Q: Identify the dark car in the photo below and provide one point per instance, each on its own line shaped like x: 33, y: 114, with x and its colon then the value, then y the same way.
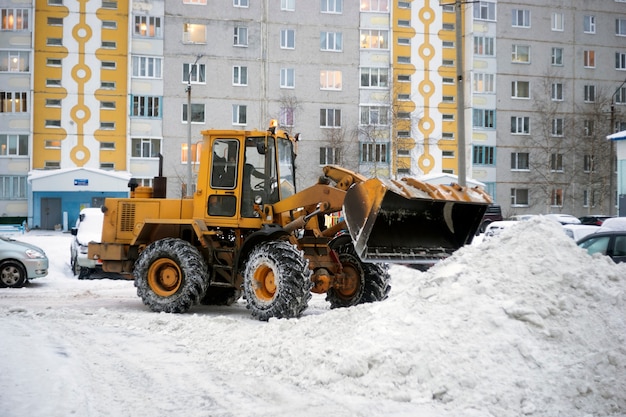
x: 610, y: 243
x: 594, y: 219
x: 493, y: 214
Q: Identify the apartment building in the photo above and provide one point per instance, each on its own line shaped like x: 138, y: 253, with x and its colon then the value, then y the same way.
x: 94, y: 92
x: 545, y: 77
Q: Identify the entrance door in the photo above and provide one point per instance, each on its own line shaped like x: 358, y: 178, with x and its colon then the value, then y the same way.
x: 50, y: 213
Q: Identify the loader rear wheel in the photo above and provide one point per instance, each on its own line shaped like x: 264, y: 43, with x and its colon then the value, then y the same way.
x: 276, y: 281
x: 364, y: 283
x: 170, y: 276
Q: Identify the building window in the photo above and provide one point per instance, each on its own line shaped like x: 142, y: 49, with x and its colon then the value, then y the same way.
x: 240, y: 36
x: 194, y: 73
x: 373, y: 152
x: 449, y: 80
x: 444, y: 44
x: 53, y: 102
x: 109, y: 5
x: 109, y: 44
x: 404, y: 23
x: 194, y: 2
x: 520, y: 54
x: 53, y: 123
x: 588, y: 128
x: 287, y: 115
x: 520, y: 161
x: 330, y: 118
x: 590, y: 93
x: 197, y: 113
x: 589, y: 163
x: 483, y: 118
x: 107, y: 85
x: 240, y: 3
x: 589, y: 59
x: 484, y: 155
x: 556, y: 162
x: 287, y: 38
x: 374, y: 39
x: 485, y: 10
x: 620, y: 60
x: 288, y: 5
x: 53, y: 82
x: 374, y: 116
x: 556, y: 197
x: 557, y: 56
x: 484, y: 46
x: 109, y: 24
x: 374, y: 5
x: 483, y: 83
x: 404, y: 60
x: 287, y: 78
x: 107, y: 105
x: 240, y: 114
x: 145, y: 147
x: 557, y: 127
x: 53, y: 21
x: 620, y: 96
x: 375, y: 77
x: 194, y: 33
x: 447, y: 135
x: 13, y: 187
x: 520, y: 125
x: 519, y: 197
x: 589, y: 24
x: 13, y: 145
x: 14, y: 61
x: 620, y: 27
x: 589, y: 198
x: 54, y: 41
x: 447, y: 62
x: 330, y: 80
x: 330, y: 156
x: 521, y: 18
x: 14, y: 19
x: 107, y: 125
x: 13, y: 102
x: 53, y: 62
x: 196, y: 152
x: 240, y: 75
x: 558, y: 22
x: 105, y: 146
x: 447, y: 26
x: 148, y: 26
x: 405, y: 78
x: 107, y: 166
x: 331, y: 41
x: 520, y: 89
x: 53, y: 144
x: 146, y: 106
x: 557, y: 92
x: 331, y: 6
x: 147, y: 67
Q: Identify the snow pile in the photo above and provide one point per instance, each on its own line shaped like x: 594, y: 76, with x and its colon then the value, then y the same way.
x: 524, y: 323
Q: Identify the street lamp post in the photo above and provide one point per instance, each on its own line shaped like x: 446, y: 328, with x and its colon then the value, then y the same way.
x: 460, y: 93
x: 188, y: 90
x: 612, y: 191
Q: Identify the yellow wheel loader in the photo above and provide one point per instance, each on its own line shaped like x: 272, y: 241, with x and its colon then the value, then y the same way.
x: 247, y: 229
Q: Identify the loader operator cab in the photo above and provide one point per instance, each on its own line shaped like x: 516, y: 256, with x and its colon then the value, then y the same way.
x: 265, y: 165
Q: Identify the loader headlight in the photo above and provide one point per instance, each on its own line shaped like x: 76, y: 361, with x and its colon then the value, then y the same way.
x: 258, y: 200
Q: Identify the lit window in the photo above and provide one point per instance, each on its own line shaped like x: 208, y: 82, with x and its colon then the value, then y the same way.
x: 194, y: 33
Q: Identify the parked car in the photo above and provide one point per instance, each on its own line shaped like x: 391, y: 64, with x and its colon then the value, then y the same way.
x: 492, y: 214
x: 610, y: 243
x: 88, y: 229
x: 20, y: 262
x: 495, y: 228
x: 614, y: 223
x: 563, y: 218
x: 521, y: 217
x: 578, y: 231
x: 593, y: 219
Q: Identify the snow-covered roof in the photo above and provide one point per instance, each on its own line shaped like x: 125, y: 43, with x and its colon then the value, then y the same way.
x: 446, y: 179
x: 617, y: 136
x: 78, y: 179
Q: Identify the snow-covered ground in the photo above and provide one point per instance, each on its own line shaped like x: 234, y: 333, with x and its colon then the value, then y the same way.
x: 523, y: 324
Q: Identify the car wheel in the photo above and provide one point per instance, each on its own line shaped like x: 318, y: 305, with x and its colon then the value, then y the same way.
x: 12, y: 274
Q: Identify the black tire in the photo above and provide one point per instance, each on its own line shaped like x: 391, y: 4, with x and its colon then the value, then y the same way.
x: 370, y: 281
x: 276, y: 281
x: 170, y: 276
x: 220, y: 296
x: 12, y: 275
x: 74, y: 266
x: 83, y: 273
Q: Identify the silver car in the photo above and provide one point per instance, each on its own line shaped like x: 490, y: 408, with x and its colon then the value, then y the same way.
x: 20, y: 262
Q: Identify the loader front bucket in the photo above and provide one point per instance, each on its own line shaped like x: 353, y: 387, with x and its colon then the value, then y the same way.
x: 410, y: 221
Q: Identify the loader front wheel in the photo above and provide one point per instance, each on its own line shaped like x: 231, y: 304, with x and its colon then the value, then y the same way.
x: 276, y: 281
x: 363, y: 283
x: 170, y: 276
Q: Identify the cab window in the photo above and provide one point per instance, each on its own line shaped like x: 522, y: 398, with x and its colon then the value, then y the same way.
x: 224, y: 166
